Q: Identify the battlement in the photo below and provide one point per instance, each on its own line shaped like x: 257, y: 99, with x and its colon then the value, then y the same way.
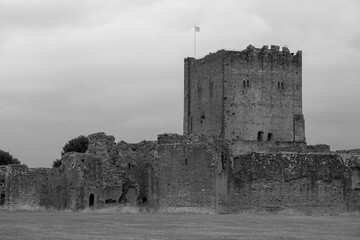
x: 273, y: 49
x: 264, y: 55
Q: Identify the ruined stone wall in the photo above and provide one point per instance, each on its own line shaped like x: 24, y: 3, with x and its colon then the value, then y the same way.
x: 243, y: 147
x: 350, y: 151
x: 307, y: 183
x: 191, y: 173
x: 127, y: 170
x: 19, y: 189
x: 104, y: 146
x: 83, y: 174
x: 51, y: 189
x: 33, y: 187
x: 2, y: 185
x: 67, y: 187
x: 108, y: 173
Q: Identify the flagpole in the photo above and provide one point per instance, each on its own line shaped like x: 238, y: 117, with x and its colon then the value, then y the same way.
x: 196, y: 29
x: 194, y: 41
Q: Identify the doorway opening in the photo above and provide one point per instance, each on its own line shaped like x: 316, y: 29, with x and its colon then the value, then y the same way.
x: 2, y: 199
x: 91, y: 200
x: 260, y: 136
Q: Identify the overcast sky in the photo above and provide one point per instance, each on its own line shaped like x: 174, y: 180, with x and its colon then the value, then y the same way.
x: 70, y: 68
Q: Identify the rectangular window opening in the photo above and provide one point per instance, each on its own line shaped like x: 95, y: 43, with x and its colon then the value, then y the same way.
x: 260, y: 136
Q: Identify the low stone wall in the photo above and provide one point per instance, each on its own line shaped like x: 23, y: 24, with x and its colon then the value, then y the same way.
x: 32, y: 187
x: 189, y: 171
x: 306, y: 183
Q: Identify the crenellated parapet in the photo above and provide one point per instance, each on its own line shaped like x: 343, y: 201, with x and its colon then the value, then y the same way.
x: 266, y: 54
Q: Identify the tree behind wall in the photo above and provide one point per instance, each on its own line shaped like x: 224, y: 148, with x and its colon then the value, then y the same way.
x: 6, y: 158
x: 79, y: 144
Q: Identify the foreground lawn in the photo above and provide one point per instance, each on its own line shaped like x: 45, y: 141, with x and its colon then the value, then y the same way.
x: 98, y: 225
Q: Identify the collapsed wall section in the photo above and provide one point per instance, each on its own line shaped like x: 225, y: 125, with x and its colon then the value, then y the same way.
x: 128, y: 176
x: 82, y: 173
x: 307, y: 183
x: 108, y: 173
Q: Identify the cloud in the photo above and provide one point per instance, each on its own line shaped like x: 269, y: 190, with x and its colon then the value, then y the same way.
x: 50, y: 14
x: 117, y: 66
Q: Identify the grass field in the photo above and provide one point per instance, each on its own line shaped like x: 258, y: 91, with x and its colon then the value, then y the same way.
x: 116, y: 225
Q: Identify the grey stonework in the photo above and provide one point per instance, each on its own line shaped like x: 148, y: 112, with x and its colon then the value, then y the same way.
x: 248, y: 96
x: 243, y: 149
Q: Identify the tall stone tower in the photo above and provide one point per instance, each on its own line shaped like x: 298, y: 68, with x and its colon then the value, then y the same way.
x: 251, y: 97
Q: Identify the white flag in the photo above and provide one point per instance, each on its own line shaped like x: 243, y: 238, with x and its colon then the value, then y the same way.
x: 197, y: 29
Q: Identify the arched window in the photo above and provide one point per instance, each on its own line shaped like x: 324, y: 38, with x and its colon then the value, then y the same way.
x: 270, y: 137
x: 260, y: 136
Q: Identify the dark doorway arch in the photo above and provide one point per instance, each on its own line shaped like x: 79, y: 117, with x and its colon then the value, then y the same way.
x: 91, y: 200
x: 260, y: 136
x: 2, y: 199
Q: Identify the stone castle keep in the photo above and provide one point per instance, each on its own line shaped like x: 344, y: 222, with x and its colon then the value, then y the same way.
x: 246, y: 97
x: 243, y: 149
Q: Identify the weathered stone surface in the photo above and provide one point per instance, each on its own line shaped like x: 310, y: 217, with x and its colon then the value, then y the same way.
x: 193, y: 170
x: 252, y: 153
x: 351, y: 151
x: 32, y: 187
x: 249, y: 95
x: 309, y: 183
x: 107, y: 173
